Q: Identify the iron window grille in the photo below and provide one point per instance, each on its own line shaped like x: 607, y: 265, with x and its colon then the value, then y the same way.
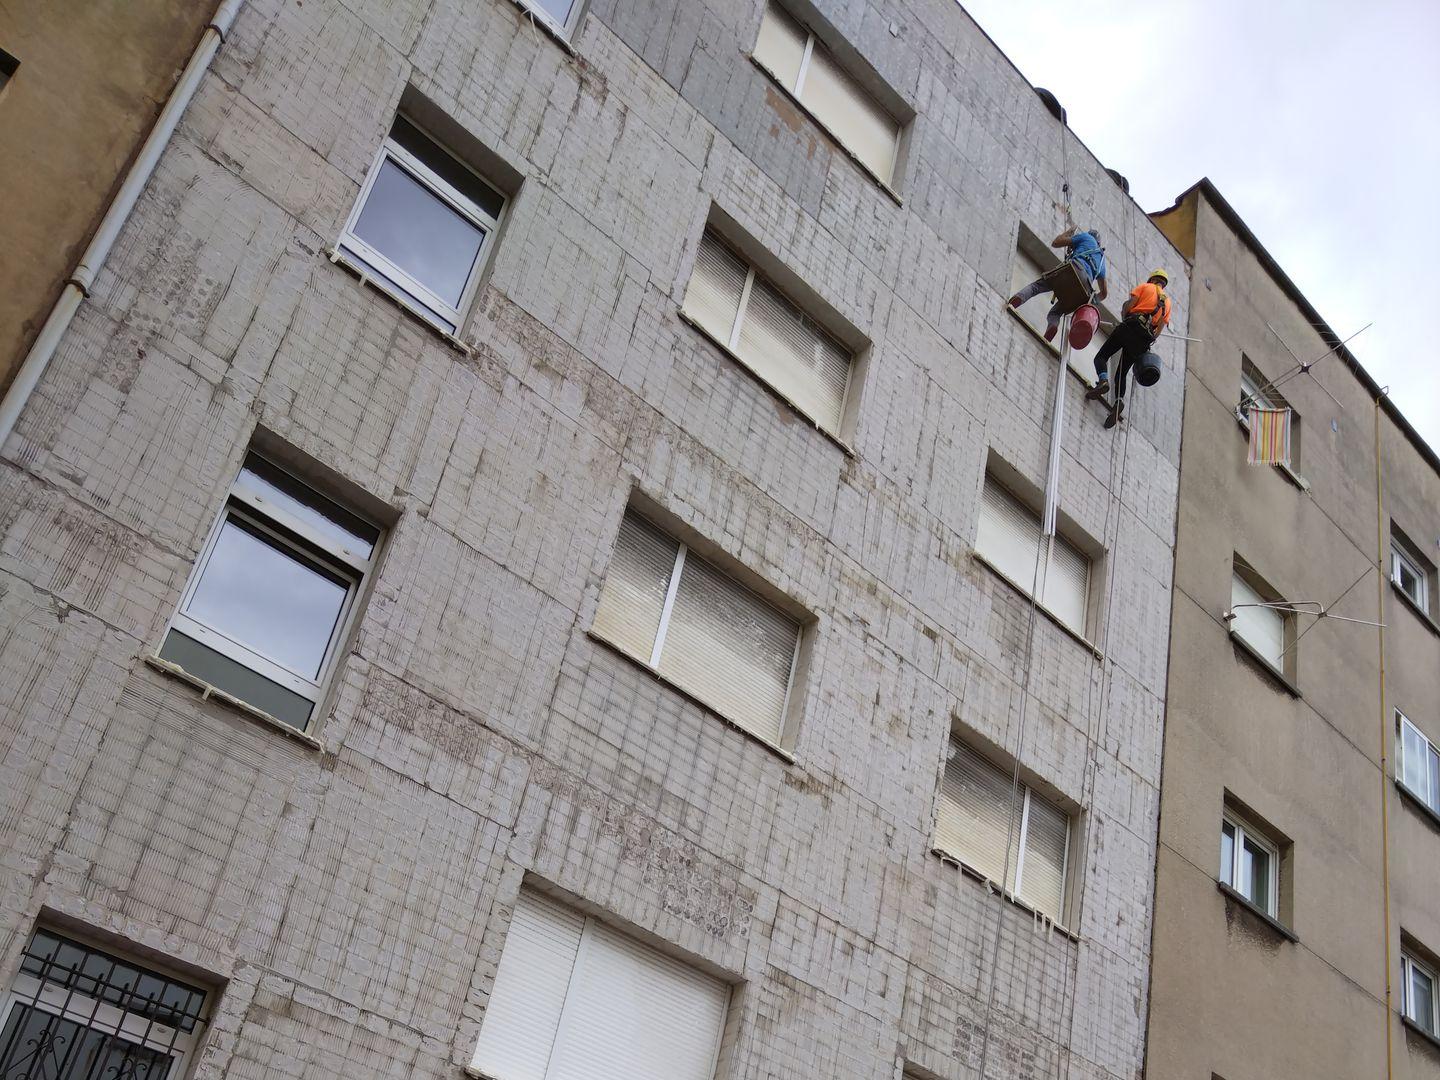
x: 75, y: 1012
x: 423, y: 226
x: 272, y: 643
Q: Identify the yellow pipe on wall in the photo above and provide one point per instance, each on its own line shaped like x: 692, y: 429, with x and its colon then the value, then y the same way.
x: 1384, y: 738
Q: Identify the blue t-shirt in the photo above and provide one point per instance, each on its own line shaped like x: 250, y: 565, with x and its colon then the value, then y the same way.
x: 1086, y: 250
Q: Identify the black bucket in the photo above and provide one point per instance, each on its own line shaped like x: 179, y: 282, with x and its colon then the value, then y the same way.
x: 1147, y: 370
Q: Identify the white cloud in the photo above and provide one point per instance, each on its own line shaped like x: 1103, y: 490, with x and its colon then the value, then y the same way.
x: 1317, y: 119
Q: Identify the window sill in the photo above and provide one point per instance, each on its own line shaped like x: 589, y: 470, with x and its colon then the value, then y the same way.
x: 1285, y: 470
x: 873, y: 176
x: 779, y: 751
x: 1070, y: 630
x: 1266, y: 668
x: 950, y: 859
x: 556, y: 34
x: 1423, y: 615
x: 845, y: 447
x: 210, y: 692
x: 337, y: 258
x: 1413, y: 1028
x: 1050, y: 346
x: 1265, y: 917
x: 1418, y: 803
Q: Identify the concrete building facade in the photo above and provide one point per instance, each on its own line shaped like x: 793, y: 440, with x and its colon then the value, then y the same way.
x: 1297, y: 749
x: 81, y: 85
x: 335, y: 894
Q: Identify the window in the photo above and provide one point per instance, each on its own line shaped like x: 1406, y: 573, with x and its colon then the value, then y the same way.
x: 574, y: 998
x: 1009, y: 540
x: 1409, y: 570
x: 805, y: 68
x: 75, y: 1013
x: 1255, y: 390
x: 712, y: 637
x: 1250, y: 864
x: 562, y: 16
x: 1264, y: 628
x: 8, y: 66
x: 423, y: 225
x: 273, y: 593
x: 768, y: 334
x: 1417, y: 994
x: 1419, y: 763
x: 978, y: 819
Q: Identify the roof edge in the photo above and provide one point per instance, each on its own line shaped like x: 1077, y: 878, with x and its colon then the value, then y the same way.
x: 1206, y: 187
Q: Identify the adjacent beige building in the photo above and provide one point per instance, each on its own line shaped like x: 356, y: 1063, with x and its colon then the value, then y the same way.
x: 80, y: 85
x: 1292, y: 740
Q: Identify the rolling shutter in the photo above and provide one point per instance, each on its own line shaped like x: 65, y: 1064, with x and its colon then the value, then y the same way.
x: 856, y: 119
x: 1009, y: 536
x: 634, y: 593
x: 1262, y: 628
x: 575, y: 1000
x: 790, y: 352
x: 1042, y: 878
x: 781, y: 46
x: 975, y: 818
x: 712, y: 298
x: 523, y: 1015
x: 730, y: 649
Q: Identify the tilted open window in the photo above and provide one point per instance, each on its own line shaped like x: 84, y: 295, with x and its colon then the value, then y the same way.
x: 1419, y: 758
x: 423, y: 226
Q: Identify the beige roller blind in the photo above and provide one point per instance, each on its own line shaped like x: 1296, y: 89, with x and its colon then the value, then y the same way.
x: 1042, y: 880
x: 790, y: 352
x: 1067, y: 585
x: 1008, y: 534
x: 975, y: 819
x: 781, y: 46
x: 855, y: 118
x: 1262, y: 628
x: 713, y: 296
x: 633, y: 596
x: 730, y: 649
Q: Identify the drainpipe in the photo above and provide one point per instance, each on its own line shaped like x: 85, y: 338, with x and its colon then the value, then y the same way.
x: 77, y: 288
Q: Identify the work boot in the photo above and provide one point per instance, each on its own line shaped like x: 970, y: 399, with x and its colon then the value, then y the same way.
x: 1117, y: 413
x: 1014, y: 301
x: 1098, y: 391
x: 1050, y: 332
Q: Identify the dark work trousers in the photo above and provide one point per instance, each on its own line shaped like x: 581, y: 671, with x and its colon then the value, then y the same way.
x: 1132, y: 340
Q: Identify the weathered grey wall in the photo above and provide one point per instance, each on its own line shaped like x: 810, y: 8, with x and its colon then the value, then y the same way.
x: 1309, y: 765
x: 356, y: 898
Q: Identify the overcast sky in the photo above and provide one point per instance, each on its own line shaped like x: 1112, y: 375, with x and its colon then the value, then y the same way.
x: 1319, y: 120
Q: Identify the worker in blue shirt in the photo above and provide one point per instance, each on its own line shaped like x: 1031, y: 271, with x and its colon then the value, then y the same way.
x: 1082, y: 247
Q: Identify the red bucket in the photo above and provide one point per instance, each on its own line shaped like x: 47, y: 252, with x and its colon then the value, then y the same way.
x: 1083, y: 325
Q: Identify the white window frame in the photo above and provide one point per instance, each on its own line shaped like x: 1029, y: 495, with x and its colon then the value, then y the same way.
x: 1428, y: 797
x: 1400, y: 557
x: 564, y: 31
x: 386, y: 274
x: 1408, y: 964
x: 250, y: 506
x: 1245, y: 833
x: 1251, y: 394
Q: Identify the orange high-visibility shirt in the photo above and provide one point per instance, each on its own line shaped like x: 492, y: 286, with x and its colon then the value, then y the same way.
x: 1145, y: 297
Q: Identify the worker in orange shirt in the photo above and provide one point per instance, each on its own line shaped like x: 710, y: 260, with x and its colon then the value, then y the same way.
x: 1143, y: 316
